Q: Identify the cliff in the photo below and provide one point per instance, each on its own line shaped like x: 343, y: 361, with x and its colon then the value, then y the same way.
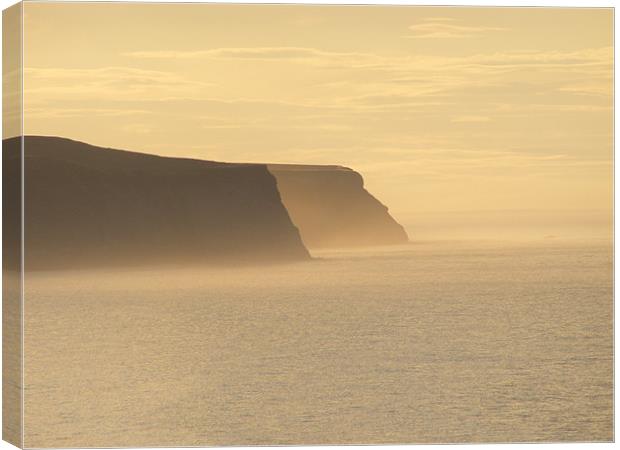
x: 331, y: 208
x: 89, y: 206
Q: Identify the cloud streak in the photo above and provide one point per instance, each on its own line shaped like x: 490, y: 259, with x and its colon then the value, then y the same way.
x: 103, y: 82
x: 300, y: 55
x: 444, y: 28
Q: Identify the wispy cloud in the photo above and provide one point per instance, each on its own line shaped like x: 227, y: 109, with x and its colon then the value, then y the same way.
x: 440, y: 27
x: 460, y: 89
x: 303, y: 55
x: 58, y: 113
x: 403, y: 65
x: 588, y: 56
x: 589, y: 88
x: 124, y: 82
x: 470, y: 119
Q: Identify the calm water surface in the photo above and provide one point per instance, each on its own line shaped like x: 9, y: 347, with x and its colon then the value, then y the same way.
x: 430, y: 342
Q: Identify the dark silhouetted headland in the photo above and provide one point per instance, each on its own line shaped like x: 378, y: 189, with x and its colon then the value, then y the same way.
x: 331, y: 208
x: 89, y: 206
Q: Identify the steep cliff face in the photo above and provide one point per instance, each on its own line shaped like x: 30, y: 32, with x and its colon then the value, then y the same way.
x: 88, y: 206
x: 331, y: 208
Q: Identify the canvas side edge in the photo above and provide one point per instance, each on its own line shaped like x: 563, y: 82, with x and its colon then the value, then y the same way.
x: 12, y: 226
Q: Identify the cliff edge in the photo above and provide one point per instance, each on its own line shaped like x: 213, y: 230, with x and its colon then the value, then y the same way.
x: 89, y: 206
x: 331, y: 207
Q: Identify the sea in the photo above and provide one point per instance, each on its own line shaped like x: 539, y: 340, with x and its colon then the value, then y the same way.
x: 442, y: 340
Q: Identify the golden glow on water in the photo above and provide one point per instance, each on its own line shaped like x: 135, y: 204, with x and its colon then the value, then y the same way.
x: 452, y: 342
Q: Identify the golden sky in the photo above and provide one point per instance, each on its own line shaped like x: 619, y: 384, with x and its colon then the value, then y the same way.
x: 440, y: 108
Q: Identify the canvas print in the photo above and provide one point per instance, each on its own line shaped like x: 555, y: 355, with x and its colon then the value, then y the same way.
x: 306, y: 224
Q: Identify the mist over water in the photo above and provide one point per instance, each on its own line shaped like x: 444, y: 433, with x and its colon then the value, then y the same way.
x: 445, y: 339
x: 510, y: 225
